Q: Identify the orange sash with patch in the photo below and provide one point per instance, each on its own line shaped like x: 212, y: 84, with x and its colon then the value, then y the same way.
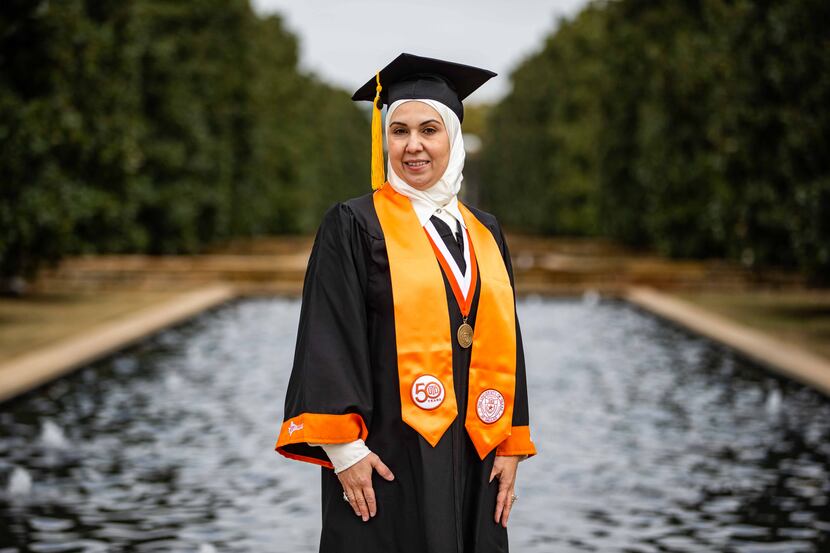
x: 424, y: 338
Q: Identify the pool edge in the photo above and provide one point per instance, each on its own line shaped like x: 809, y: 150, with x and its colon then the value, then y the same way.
x: 27, y: 372
x: 778, y: 356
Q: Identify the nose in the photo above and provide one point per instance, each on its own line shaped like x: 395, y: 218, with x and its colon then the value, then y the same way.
x: 413, y: 143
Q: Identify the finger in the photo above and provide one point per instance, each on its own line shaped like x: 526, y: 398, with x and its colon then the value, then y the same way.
x: 369, y: 494
x: 508, y: 505
x: 361, y: 504
x: 500, y: 504
x: 383, y: 470
x: 353, y: 501
x: 502, y: 501
x: 493, y: 473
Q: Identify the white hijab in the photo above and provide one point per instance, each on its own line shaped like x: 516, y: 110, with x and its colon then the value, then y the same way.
x: 447, y: 187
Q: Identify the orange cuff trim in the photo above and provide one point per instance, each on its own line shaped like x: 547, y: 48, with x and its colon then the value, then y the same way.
x: 319, y: 429
x: 313, y: 460
x: 518, y: 443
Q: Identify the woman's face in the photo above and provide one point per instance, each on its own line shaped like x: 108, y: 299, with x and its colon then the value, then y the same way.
x: 419, y: 145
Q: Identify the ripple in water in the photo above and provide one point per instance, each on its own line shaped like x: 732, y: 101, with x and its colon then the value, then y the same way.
x: 650, y: 440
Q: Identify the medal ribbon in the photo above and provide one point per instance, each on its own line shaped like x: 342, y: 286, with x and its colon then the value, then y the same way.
x: 423, y: 337
x: 464, y: 304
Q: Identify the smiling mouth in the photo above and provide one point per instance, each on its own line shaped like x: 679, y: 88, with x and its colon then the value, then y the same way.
x: 418, y: 163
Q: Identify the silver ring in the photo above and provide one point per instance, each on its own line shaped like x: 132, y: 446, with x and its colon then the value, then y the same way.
x: 346, y: 498
x: 514, y: 498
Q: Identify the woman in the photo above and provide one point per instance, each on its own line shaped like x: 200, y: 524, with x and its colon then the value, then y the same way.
x: 408, y: 376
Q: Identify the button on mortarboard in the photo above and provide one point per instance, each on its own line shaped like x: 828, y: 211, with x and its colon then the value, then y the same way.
x: 412, y: 77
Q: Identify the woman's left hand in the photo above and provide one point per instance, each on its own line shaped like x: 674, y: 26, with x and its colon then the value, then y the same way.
x: 504, y: 467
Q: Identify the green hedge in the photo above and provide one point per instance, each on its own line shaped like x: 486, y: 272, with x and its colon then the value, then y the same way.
x: 698, y: 129
x: 161, y: 126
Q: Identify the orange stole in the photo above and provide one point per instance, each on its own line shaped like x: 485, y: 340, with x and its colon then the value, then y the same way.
x: 422, y: 330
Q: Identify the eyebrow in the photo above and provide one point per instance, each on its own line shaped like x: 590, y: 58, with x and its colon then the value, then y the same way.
x: 421, y: 125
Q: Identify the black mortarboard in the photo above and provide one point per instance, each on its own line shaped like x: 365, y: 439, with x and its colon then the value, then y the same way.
x: 412, y: 77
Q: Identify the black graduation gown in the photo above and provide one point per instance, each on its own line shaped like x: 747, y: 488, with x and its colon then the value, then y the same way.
x: 345, y: 362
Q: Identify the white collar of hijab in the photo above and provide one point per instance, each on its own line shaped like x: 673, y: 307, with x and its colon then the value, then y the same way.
x: 444, y: 193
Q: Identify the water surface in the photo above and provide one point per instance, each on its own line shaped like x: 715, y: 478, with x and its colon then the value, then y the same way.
x: 651, y: 440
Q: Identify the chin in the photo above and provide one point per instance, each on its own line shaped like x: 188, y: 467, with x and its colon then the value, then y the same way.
x: 423, y: 186
x: 420, y: 184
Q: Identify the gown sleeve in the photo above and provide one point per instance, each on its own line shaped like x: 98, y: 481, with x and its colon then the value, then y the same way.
x: 519, y: 442
x: 329, y: 395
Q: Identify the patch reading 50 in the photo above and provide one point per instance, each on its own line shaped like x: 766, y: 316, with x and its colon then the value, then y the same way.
x: 427, y: 392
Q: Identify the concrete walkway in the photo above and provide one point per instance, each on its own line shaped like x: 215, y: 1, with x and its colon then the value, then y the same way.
x: 780, y: 357
x: 27, y: 372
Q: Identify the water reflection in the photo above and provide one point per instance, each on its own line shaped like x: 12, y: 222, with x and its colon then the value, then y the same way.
x: 651, y: 439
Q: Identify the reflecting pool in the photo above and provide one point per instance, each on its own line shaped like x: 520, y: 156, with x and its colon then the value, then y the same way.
x: 651, y: 440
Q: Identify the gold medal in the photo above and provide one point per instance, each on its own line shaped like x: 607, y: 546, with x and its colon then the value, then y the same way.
x: 465, y: 335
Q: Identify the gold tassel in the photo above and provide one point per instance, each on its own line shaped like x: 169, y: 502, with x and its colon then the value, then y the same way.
x: 378, y: 177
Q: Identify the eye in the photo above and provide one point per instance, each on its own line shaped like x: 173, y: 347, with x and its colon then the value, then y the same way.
x: 430, y: 130
x: 399, y: 130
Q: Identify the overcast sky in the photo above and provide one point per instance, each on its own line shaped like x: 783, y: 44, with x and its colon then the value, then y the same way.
x: 346, y: 41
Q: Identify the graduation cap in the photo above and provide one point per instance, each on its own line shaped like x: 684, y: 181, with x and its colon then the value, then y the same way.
x: 414, y: 77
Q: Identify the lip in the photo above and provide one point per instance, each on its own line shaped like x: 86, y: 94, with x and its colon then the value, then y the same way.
x: 416, y: 168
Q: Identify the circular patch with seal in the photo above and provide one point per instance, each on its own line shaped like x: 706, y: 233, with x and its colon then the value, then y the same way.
x: 490, y: 406
x: 427, y: 392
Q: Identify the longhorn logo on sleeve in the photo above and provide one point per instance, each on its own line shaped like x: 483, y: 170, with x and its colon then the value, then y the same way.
x: 292, y: 427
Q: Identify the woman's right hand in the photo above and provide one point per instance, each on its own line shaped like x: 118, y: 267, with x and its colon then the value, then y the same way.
x: 357, y: 483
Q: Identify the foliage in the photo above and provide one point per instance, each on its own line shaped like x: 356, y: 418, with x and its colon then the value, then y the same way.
x: 695, y: 128
x: 540, y: 149
x: 160, y: 126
